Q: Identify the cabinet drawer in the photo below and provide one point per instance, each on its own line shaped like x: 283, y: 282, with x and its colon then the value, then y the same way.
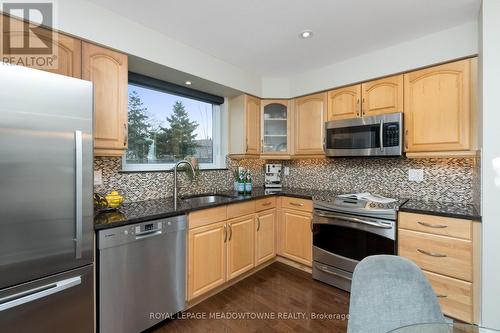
x: 266, y: 203
x: 455, y: 296
x: 240, y: 209
x: 437, y: 225
x: 296, y: 203
x: 206, y: 216
x: 438, y: 254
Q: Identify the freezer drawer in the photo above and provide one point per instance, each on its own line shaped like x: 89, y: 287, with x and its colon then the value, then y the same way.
x: 59, y: 303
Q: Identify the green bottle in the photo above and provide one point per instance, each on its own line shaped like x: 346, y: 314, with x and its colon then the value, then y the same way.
x: 248, y: 183
x: 241, y: 183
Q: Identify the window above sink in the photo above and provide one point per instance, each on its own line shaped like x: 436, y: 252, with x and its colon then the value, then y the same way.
x: 167, y: 123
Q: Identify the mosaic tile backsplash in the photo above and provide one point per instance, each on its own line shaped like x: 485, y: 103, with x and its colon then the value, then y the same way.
x: 138, y: 186
x: 448, y: 180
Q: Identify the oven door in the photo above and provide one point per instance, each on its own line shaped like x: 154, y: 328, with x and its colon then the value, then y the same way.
x: 368, y: 136
x: 342, y: 240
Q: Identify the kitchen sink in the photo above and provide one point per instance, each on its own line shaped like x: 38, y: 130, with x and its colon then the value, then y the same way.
x: 201, y: 199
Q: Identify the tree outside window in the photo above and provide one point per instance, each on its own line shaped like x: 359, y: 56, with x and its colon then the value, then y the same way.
x: 164, y: 128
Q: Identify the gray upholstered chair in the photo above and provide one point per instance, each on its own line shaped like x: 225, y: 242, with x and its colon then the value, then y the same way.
x: 389, y: 292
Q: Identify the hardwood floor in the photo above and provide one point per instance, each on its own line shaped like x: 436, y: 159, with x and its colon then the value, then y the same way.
x: 289, y: 298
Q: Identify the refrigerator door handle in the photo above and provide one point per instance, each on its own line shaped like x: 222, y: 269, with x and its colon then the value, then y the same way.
x: 78, y: 194
x: 37, y: 293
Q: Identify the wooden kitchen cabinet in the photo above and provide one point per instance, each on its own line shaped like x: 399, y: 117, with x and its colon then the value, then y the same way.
x: 295, y: 236
x: 240, y: 245
x: 309, y: 121
x: 344, y: 103
x: 275, y: 129
x: 265, y: 233
x: 108, y: 71
x: 68, y: 50
x: 206, y: 258
x: 244, y: 126
x: 382, y: 96
x: 448, y: 252
x: 438, y: 108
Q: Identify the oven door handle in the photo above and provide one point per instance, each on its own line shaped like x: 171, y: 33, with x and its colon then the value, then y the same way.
x: 356, y: 220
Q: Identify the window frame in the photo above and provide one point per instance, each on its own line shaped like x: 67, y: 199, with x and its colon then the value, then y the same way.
x: 219, y: 133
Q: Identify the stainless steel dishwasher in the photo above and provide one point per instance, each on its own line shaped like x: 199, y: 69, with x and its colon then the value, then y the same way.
x: 142, y: 274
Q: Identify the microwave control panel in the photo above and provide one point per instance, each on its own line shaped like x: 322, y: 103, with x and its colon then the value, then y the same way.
x: 391, y: 135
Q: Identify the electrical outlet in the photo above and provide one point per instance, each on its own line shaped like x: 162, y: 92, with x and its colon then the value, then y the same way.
x: 286, y: 171
x: 416, y: 175
x: 97, y: 177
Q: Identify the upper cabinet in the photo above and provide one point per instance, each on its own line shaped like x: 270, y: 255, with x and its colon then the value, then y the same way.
x: 275, y: 128
x: 244, y: 126
x: 67, y: 49
x: 309, y: 119
x: 438, y: 108
x: 108, y: 71
x: 382, y: 96
x: 367, y: 99
x: 344, y: 103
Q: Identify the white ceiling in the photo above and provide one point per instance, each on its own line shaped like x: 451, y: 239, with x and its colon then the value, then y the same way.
x: 261, y: 36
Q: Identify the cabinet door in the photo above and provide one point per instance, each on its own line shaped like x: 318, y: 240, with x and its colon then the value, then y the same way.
x: 382, y: 96
x: 206, y: 258
x: 437, y: 108
x: 275, y: 127
x: 252, y: 110
x: 309, y: 118
x: 67, y: 49
x: 344, y: 103
x: 296, y: 236
x: 240, y: 246
x: 108, y: 71
x: 265, y: 245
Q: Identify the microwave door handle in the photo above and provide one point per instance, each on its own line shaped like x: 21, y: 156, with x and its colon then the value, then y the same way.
x: 381, y: 135
x: 356, y: 220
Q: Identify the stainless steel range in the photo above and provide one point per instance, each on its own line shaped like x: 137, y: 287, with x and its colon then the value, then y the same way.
x: 349, y: 229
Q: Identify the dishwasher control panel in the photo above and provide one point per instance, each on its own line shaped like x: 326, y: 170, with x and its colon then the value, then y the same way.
x: 120, y: 235
x: 149, y: 227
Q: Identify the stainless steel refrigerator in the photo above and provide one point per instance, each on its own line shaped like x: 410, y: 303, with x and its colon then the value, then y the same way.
x: 46, y: 223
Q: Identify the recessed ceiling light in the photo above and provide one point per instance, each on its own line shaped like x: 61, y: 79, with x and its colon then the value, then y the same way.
x: 306, y: 34
x: 188, y: 83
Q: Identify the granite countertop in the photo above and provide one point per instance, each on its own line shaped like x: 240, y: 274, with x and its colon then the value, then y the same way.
x: 141, y: 211
x: 447, y: 209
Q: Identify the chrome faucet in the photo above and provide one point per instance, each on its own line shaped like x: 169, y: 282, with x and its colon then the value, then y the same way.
x: 175, y: 178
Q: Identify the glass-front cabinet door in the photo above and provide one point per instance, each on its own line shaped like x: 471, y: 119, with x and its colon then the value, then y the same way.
x: 275, y: 127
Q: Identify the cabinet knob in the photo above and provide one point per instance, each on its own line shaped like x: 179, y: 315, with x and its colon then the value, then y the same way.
x: 125, y: 135
x: 406, y: 139
x: 432, y: 254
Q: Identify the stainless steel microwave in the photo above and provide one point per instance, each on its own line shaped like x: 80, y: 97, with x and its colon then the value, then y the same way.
x: 368, y: 136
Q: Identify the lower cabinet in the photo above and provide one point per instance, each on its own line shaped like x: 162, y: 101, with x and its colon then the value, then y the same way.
x: 206, y: 259
x: 227, y: 241
x: 240, y: 245
x: 448, y: 252
x: 265, y: 233
x: 295, y: 236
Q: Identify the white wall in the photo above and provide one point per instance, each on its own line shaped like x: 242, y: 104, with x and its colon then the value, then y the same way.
x: 275, y: 87
x: 489, y: 105
x: 91, y: 22
x: 457, y: 42
x: 86, y: 20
